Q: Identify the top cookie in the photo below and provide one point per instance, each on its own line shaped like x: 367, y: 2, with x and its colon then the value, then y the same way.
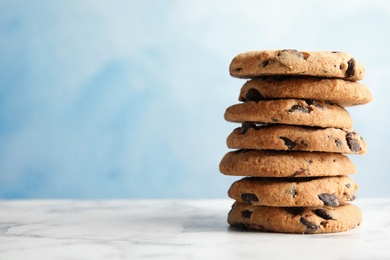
x: 292, y: 62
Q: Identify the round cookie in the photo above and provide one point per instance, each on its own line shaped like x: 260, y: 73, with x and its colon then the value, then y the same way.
x: 294, y: 192
x: 342, y: 92
x: 286, y: 137
x: 267, y: 163
x: 301, y: 220
x: 291, y: 112
x: 292, y: 62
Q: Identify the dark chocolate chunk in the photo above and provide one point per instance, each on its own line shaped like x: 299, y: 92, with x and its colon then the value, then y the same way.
x: 309, y: 102
x: 314, y: 103
x: 351, y: 68
x: 353, y: 144
x: 311, y: 227
x: 299, y: 172
x: 249, y: 197
x: 293, y: 192
x: 246, y: 214
x: 322, y: 214
x: 309, y: 162
x: 329, y: 199
x: 245, y: 127
x: 287, y: 142
x: 295, y: 52
x: 238, y: 69
x: 264, y: 63
x: 348, y: 185
x: 338, y: 142
x: 304, y: 143
x: 295, y: 210
x: 300, y: 108
x: 335, y: 51
x: 253, y: 95
x: 350, y: 198
x: 274, y: 120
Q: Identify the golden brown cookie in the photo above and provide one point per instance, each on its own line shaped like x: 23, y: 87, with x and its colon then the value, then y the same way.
x: 292, y: 62
x: 342, y: 92
x: 286, y: 137
x: 290, y: 112
x: 301, y: 220
x: 267, y: 163
x: 294, y: 192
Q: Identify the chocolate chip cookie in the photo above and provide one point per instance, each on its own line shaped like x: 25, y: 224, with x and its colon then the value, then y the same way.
x: 301, y: 220
x: 285, y: 137
x: 266, y: 163
x: 342, y: 92
x: 294, y: 192
x: 292, y: 62
x: 290, y: 112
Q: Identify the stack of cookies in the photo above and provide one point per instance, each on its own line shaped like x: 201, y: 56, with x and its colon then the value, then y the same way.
x: 292, y: 143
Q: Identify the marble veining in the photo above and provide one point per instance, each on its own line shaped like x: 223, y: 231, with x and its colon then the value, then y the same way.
x: 172, y: 229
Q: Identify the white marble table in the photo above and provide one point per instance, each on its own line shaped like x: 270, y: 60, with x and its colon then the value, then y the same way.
x: 172, y: 229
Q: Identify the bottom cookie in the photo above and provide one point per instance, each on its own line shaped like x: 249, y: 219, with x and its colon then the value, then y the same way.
x: 303, y: 220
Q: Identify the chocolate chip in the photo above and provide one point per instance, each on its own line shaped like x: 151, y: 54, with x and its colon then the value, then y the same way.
x: 309, y: 102
x: 249, y: 197
x: 309, y: 162
x: 246, y: 214
x: 274, y: 120
x: 253, y: 95
x: 304, y: 143
x: 238, y: 69
x: 299, y: 172
x: 295, y: 210
x: 335, y: 52
x: 311, y: 227
x: 264, y: 63
x: 293, y: 192
x: 338, y: 142
x: 348, y: 185
x: 351, y: 68
x: 353, y: 144
x: 300, y: 108
x: 329, y: 199
x: 245, y: 127
x: 322, y: 214
x: 295, y: 52
x: 314, y: 103
x: 287, y: 142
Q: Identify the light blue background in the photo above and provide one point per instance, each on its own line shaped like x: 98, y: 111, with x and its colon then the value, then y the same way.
x: 125, y: 99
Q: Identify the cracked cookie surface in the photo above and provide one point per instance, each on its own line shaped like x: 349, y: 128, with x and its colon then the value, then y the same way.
x: 303, y: 220
x: 292, y: 62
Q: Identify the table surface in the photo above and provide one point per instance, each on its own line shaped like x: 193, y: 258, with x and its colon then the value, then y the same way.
x: 172, y: 229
